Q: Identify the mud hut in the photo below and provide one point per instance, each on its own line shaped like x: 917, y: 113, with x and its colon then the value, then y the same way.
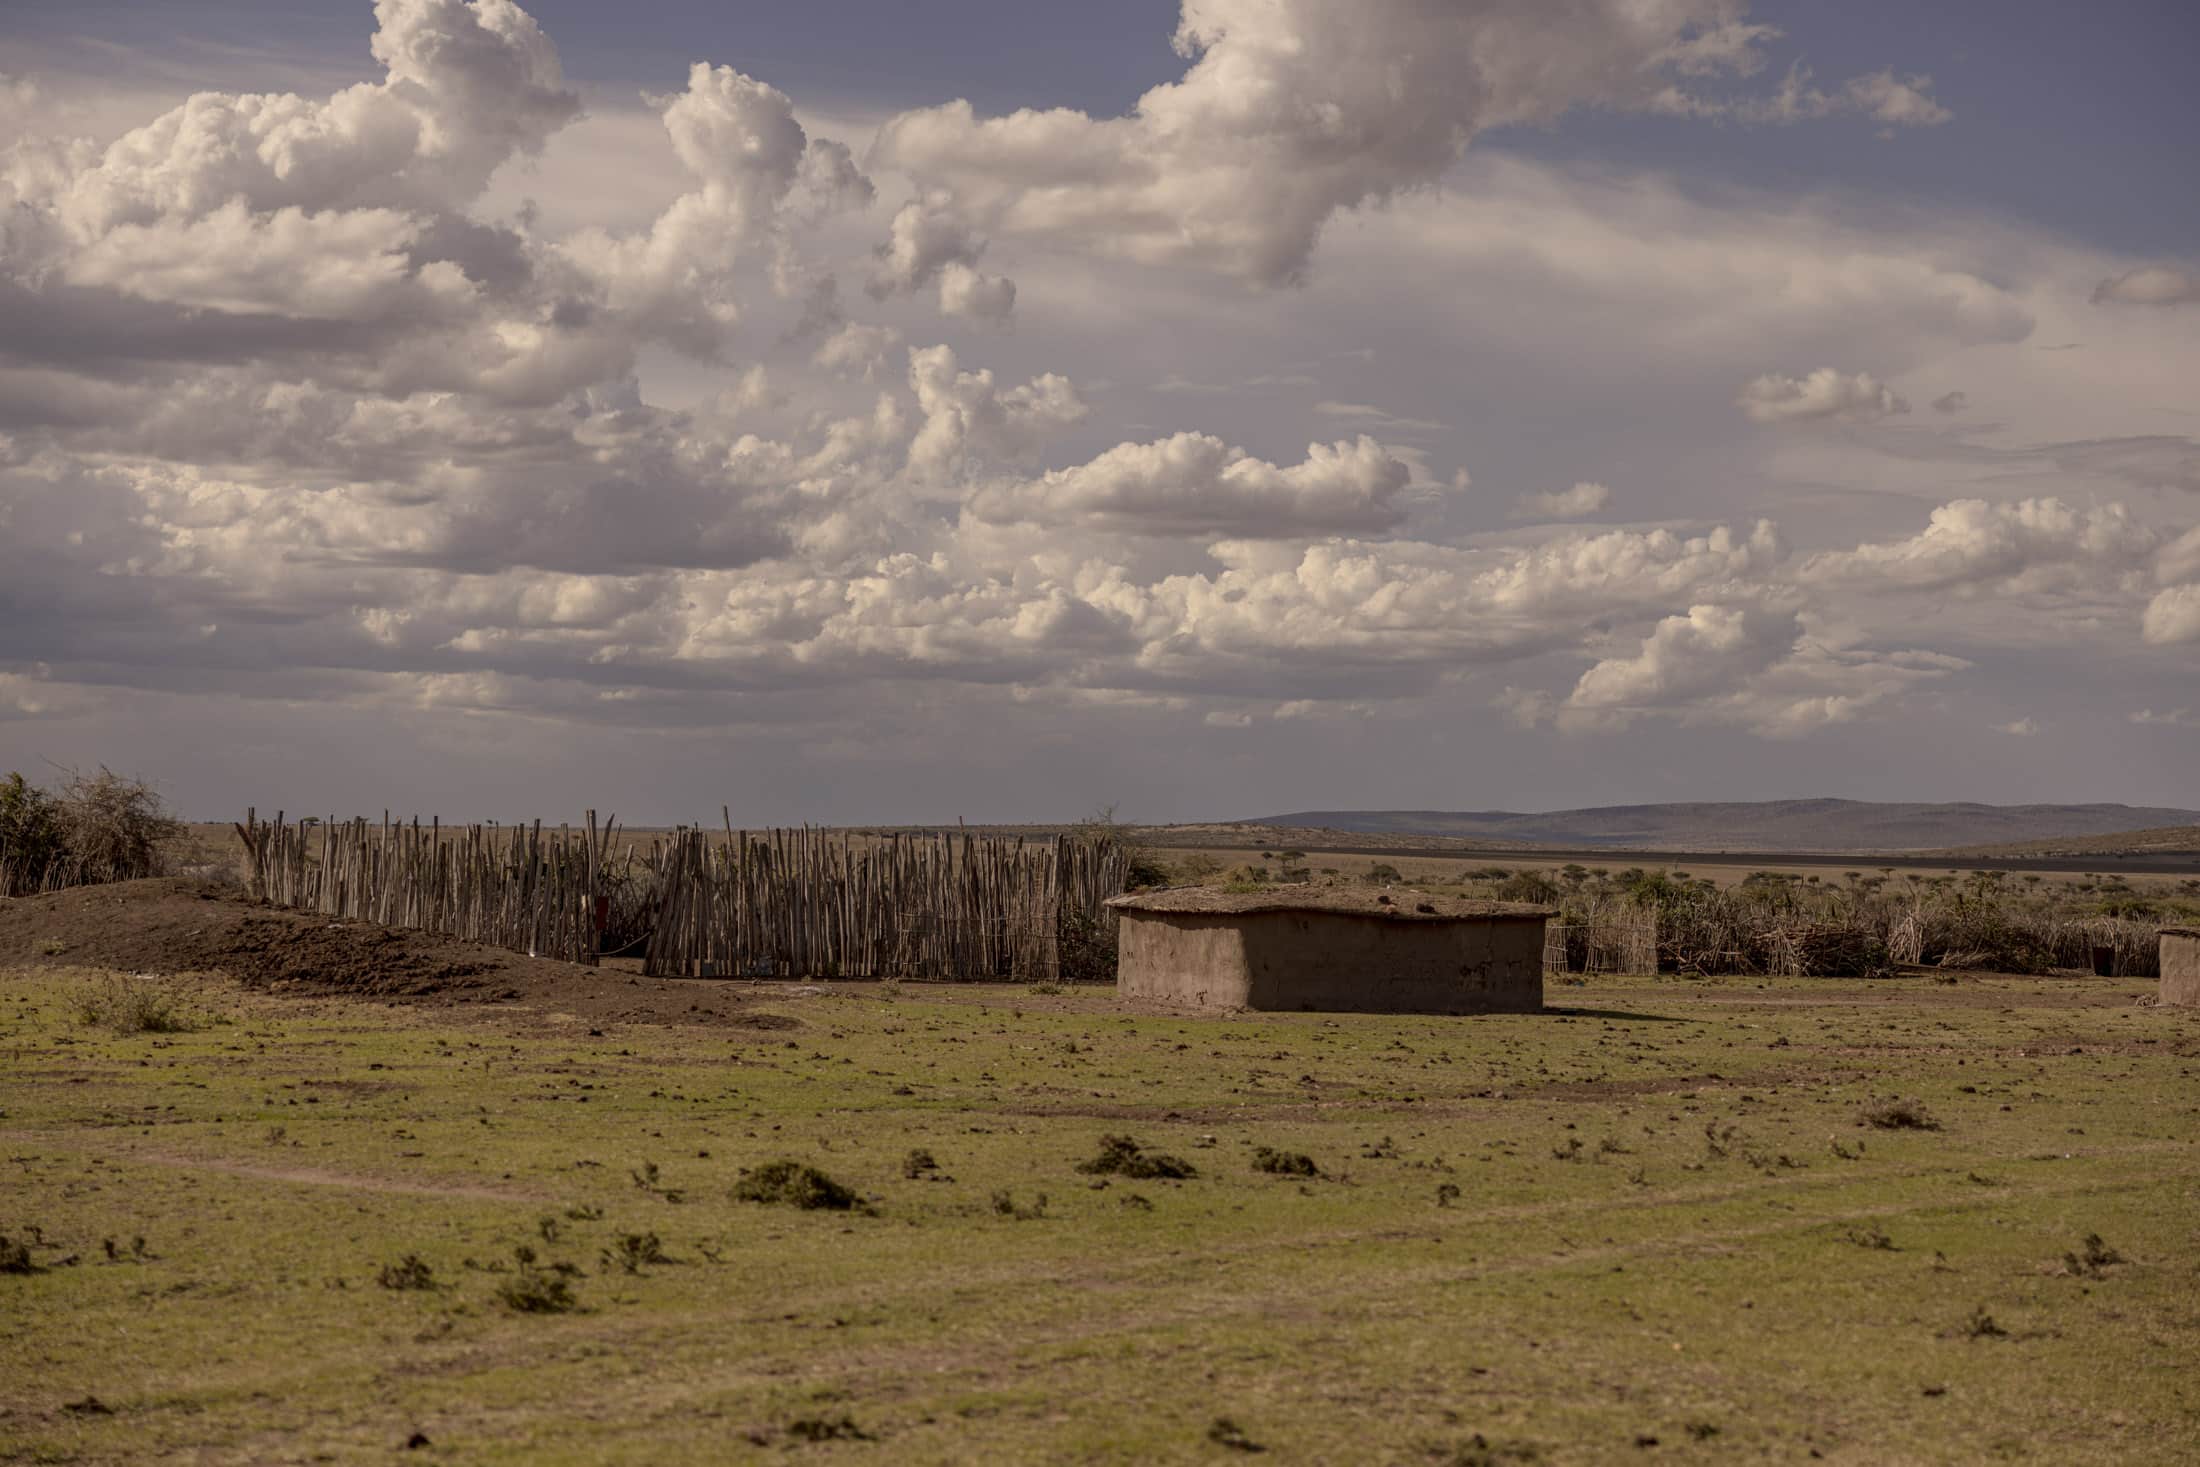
x: 2181, y: 966
x: 1351, y: 949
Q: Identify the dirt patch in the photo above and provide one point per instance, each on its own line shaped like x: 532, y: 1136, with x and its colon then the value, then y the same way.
x: 173, y: 925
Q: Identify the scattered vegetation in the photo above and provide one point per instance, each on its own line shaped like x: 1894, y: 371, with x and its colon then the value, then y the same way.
x: 1006, y: 1205
x: 1121, y: 1156
x: 1899, y: 1115
x: 409, y: 1273
x: 2093, y: 1259
x: 533, y: 1289
x: 635, y: 1251
x: 841, y: 1428
x: 791, y: 1184
x: 1224, y: 1432
x: 1284, y: 1163
x: 93, y: 828
x: 134, y: 1006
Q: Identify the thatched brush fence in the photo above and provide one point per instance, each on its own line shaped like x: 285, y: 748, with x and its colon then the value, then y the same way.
x: 828, y: 904
x: 751, y: 904
x: 544, y: 893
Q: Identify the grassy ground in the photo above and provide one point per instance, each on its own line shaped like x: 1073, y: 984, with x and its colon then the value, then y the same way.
x: 1653, y: 1222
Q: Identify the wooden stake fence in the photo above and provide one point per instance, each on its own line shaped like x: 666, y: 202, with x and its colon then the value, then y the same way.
x: 521, y: 888
x: 777, y: 903
x: 786, y: 903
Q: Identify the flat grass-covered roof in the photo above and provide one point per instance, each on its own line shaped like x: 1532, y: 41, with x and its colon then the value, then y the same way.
x: 1362, y: 901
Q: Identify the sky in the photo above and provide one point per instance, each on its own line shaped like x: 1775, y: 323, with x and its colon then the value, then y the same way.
x: 866, y: 412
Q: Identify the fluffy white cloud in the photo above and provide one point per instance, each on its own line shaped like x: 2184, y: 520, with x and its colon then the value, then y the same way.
x: 2173, y: 616
x: 1857, y: 397
x: 758, y: 174
x: 1195, y: 484
x: 1294, y: 109
x: 929, y: 241
x: 966, y: 416
x: 1976, y: 546
x: 291, y: 408
x: 1685, y: 657
x: 334, y: 265
x: 2149, y: 285
x: 858, y: 350
x: 1579, y: 502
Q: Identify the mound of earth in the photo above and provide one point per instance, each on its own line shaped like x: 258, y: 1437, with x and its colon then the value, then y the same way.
x: 175, y: 925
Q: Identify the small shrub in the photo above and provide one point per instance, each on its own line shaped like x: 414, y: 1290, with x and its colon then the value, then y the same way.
x: 15, y: 1257
x: 634, y: 1251
x: 533, y: 1290
x: 410, y: 1272
x: 137, y: 1252
x: 1284, y: 1163
x: 1047, y: 989
x: 1224, y: 1432
x: 1382, y: 873
x: 1121, y: 1156
x: 1870, y: 1237
x: 1446, y: 1193
x: 1900, y: 1115
x: 134, y: 1006
x: 1005, y: 1204
x: 918, y: 1163
x: 841, y: 1428
x: 2094, y: 1261
x: 791, y: 1184
x: 1983, y: 1326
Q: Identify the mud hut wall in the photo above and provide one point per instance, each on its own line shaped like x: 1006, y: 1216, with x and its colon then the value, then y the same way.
x: 2181, y: 969
x: 1340, y: 961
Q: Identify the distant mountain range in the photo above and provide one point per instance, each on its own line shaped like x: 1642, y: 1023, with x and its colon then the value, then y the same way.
x: 1756, y: 825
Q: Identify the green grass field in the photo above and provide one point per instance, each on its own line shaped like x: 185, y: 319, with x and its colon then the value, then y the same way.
x: 1653, y: 1223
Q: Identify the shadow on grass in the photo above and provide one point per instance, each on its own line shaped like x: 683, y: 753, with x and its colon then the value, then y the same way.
x: 1567, y: 1011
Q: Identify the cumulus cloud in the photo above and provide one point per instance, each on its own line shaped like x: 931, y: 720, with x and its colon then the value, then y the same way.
x: 930, y: 241
x: 858, y: 350
x: 2022, y: 728
x: 2149, y: 285
x: 1856, y: 397
x: 1974, y: 545
x: 2173, y: 616
x: 289, y: 410
x: 1686, y: 656
x: 1951, y: 402
x: 966, y: 415
x: 1579, y: 502
x: 1292, y: 110
x: 1195, y: 484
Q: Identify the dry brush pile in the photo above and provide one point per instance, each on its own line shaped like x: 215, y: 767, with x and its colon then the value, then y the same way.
x: 94, y: 828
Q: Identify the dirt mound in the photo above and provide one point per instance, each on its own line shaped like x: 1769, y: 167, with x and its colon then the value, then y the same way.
x: 174, y: 925
x: 177, y: 926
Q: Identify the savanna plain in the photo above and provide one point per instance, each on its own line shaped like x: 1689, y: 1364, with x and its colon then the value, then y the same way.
x: 605, y: 1218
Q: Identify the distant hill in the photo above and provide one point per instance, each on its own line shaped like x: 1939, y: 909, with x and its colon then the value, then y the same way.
x: 2160, y: 840
x: 1761, y: 825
